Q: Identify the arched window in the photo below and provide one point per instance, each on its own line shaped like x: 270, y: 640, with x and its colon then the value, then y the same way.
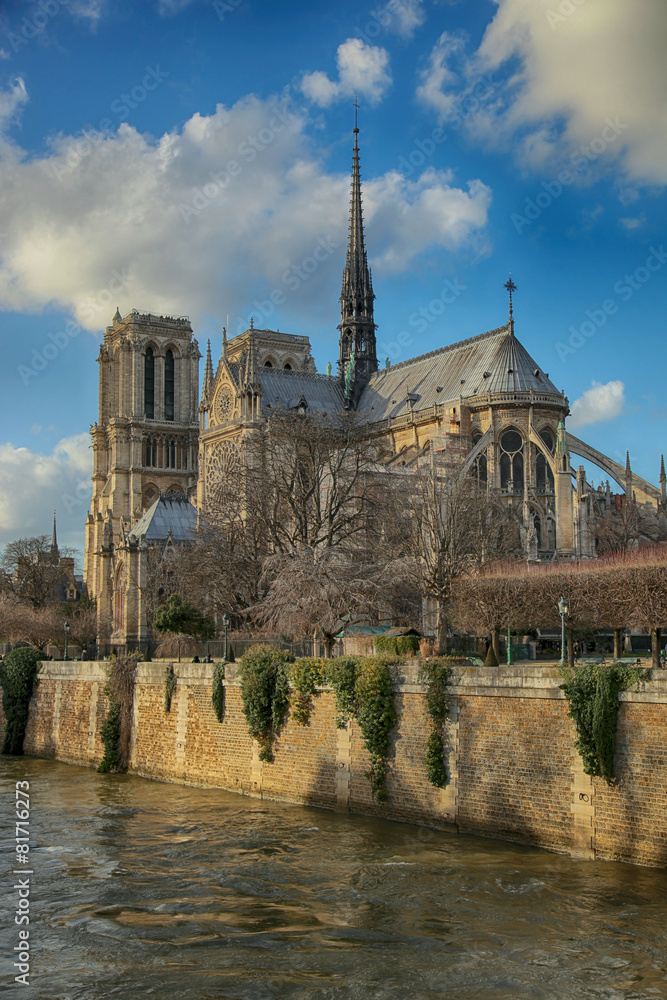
x: 149, y: 384
x: 505, y: 472
x: 548, y: 438
x: 268, y: 364
x: 543, y: 474
x: 479, y: 470
x: 169, y: 386
x: 511, y: 461
x: 287, y: 367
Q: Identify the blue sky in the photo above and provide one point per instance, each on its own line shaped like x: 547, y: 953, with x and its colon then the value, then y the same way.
x: 189, y: 157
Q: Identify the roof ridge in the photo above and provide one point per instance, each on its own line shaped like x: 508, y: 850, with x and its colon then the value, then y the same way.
x: 291, y: 372
x: 443, y: 350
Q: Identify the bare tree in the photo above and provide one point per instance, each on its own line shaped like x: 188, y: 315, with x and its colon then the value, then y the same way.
x: 457, y: 525
x: 32, y: 572
x: 626, y: 525
x: 321, y: 591
x: 309, y: 481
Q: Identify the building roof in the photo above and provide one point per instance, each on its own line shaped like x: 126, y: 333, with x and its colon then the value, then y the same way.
x: 171, y: 511
x: 285, y: 389
x: 491, y: 362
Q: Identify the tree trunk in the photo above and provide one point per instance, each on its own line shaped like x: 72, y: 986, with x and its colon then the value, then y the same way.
x: 656, y: 635
x: 329, y: 642
x: 441, y: 631
x: 495, y: 642
x: 618, y: 643
x: 570, y: 649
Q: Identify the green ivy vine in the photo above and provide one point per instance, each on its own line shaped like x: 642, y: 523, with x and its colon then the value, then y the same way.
x: 18, y: 675
x: 305, y: 675
x: 436, y: 674
x: 170, y: 683
x: 117, y: 726
x: 592, y: 691
x: 376, y: 716
x: 397, y: 645
x: 218, y: 692
x: 110, y: 736
x: 341, y: 674
x: 264, y: 673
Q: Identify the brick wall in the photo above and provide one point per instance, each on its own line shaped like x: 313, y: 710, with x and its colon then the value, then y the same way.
x: 514, y: 772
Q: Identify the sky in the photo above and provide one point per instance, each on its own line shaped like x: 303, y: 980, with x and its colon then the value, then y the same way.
x: 192, y: 157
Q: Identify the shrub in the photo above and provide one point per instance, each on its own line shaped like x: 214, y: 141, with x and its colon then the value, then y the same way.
x: 18, y: 673
x: 305, y: 674
x: 218, y: 692
x: 264, y: 673
x: 397, y: 645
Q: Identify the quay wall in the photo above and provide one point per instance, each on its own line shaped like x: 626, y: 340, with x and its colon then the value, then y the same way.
x: 514, y: 771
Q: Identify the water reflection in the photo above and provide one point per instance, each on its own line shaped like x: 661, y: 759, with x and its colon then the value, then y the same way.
x: 152, y: 889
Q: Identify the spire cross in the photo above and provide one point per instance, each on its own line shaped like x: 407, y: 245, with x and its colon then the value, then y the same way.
x: 511, y: 287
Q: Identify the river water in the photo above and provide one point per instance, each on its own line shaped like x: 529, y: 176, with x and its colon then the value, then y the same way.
x: 157, y: 890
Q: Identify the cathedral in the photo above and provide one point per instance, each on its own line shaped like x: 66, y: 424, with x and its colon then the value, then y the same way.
x: 482, y: 405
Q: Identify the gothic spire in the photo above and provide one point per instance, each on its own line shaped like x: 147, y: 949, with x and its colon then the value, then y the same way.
x: 357, y: 328
x: 54, y: 538
x: 208, y: 370
x: 663, y: 480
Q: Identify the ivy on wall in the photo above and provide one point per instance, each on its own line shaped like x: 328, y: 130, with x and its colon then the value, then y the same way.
x: 218, y: 692
x: 436, y: 675
x: 376, y: 716
x: 264, y: 673
x: 170, y: 683
x: 305, y: 675
x: 18, y: 674
x: 592, y: 690
x: 117, y: 726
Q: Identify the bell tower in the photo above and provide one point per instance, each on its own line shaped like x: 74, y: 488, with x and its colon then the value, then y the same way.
x: 358, y: 354
x: 146, y: 439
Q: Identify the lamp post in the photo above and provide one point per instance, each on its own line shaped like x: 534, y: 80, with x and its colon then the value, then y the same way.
x: 66, y: 627
x: 509, y: 645
x: 225, y: 625
x: 563, y: 610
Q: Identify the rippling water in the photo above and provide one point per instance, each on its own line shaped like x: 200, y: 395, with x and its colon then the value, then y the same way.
x: 147, y: 889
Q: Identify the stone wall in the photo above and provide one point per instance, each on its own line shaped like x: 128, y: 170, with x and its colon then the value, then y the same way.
x: 515, y: 774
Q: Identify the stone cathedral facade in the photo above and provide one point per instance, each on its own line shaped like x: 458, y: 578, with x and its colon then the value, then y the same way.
x: 482, y: 405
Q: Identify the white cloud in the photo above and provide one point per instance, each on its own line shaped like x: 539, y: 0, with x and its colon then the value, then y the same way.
x: 34, y: 484
x: 632, y: 222
x: 362, y: 69
x: 438, y: 79
x: 206, y: 220
x: 564, y: 79
x: 600, y: 402
x: 12, y: 101
x: 402, y: 17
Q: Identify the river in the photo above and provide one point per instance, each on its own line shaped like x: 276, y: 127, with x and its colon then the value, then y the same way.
x: 146, y: 889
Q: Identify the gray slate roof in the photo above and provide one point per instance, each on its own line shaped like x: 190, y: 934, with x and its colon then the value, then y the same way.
x: 285, y: 389
x: 167, y: 512
x: 437, y: 377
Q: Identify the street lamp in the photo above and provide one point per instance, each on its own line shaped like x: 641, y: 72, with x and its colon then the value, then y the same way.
x: 225, y: 625
x: 66, y: 627
x: 509, y: 645
x: 563, y: 610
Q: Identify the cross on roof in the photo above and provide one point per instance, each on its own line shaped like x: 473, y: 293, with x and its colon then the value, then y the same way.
x: 511, y: 287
